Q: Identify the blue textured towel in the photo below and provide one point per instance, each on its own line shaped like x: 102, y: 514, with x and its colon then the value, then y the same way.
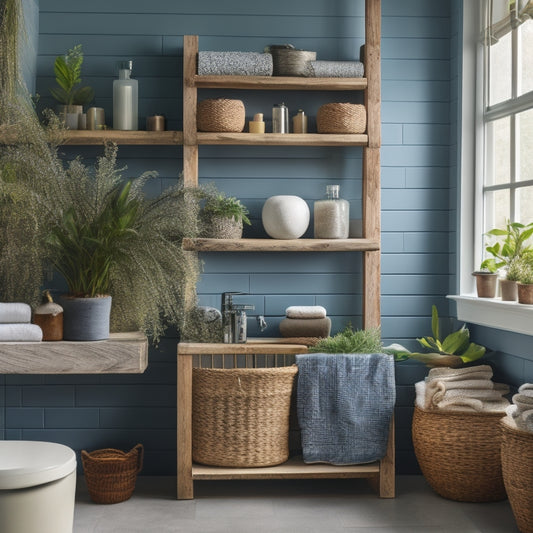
x: 345, y: 403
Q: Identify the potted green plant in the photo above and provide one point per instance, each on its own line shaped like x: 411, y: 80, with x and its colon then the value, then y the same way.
x: 506, y: 252
x: 453, y: 351
x: 223, y: 216
x: 67, y: 70
x: 524, y: 268
x: 350, y: 341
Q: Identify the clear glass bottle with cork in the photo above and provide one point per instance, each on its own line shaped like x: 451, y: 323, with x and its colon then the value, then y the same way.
x: 331, y: 215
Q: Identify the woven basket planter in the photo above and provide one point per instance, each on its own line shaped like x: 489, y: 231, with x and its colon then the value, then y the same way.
x: 222, y: 228
x: 459, y: 454
x: 111, y: 474
x: 220, y: 115
x: 240, y: 416
x: 290, y: 62
x: 341, y: 118
x: 517, y: 467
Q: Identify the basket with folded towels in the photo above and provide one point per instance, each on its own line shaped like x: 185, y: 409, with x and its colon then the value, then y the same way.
x: 456, y: 433
x: 15, y: 324
x: 305, y: 321
x: 517, y: 456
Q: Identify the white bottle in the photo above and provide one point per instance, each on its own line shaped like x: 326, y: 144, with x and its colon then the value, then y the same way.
x: 332, y: 216
x: 125, y: 99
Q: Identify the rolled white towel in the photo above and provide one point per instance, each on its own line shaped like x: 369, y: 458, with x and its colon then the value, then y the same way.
x: 15, y: 313
x: 527, y: 420
x: 20, y: 333
x: 420, y: 390
x: 305, y: 311
x: 510, y: 410
x: 526, y: 388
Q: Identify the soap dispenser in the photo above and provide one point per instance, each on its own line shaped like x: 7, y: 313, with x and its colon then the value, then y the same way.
x: 125, y: 99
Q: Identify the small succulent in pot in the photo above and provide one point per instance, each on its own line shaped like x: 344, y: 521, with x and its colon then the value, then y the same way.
x: 223, y: 216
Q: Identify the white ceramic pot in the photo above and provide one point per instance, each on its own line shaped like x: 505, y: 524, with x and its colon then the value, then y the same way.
x: 285, y: 217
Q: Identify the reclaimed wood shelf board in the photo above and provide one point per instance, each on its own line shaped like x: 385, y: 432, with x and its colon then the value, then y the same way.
x: 122, y: 353
x: 279, y: 245
x: 283, y: 139
x: 96, y: 137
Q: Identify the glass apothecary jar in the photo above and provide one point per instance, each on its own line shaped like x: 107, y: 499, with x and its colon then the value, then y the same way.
x: 332, y: 215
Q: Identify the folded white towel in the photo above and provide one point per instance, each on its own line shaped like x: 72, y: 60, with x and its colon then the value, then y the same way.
x: 437, y: 389
x: 527, y: 420
x: 20, y: 333
x: 305, y: 311
x: 475, y: 394
x: 15, y: 313
x: 510, y: 410
x: 453, y: 374
x: 473, y: 404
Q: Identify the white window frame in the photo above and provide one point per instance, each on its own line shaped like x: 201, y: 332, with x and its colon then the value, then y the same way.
x: 493, y: 313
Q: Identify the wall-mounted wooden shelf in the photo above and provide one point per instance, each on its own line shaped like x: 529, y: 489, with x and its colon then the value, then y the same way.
x: 280, y: 245
x: 282, y: 83
x: 95, y: 137
x: 122, y: 353
x: 280, y: 139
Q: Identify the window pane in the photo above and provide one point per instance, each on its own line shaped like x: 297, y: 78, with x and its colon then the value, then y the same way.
x: 524, y: 204
x: 498, y: 152
x: 500, y: 70
x: 526, y: 45
x: 497, y: 209
x: 526, y: 145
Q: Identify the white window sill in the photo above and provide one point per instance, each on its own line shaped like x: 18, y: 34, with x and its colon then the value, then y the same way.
x: 493, y: 313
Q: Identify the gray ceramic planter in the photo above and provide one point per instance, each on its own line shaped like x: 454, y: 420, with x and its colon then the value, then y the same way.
x: 85, y: 319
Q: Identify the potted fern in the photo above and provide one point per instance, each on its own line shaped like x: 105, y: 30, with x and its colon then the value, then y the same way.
x: 69, y: 93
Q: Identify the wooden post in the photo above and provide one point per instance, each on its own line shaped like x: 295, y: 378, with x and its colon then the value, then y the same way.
x: 190, y: 100
x: 185, y: 490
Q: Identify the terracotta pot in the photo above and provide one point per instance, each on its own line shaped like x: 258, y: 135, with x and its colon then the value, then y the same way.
x: 509, y: 290
x: 486, y: 283
x: 525, y: 293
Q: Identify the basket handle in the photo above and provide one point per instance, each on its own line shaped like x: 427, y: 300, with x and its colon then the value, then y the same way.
x: 139, y: 448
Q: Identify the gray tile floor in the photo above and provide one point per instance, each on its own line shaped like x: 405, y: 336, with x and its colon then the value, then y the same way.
x: 306, y: 506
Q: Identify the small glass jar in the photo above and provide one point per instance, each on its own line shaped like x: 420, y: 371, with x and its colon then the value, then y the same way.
x: 332, y: 216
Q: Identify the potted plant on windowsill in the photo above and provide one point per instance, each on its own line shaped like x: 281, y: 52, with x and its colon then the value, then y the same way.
x: 524, y: 268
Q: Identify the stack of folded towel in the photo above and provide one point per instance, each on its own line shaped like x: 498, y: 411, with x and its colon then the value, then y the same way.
x: 15, y: 324
x: 305, y: 321
x: 461, y: 389
x: 521, y: 410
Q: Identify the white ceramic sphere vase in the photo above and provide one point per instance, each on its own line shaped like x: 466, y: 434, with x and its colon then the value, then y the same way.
x: 285, y: 217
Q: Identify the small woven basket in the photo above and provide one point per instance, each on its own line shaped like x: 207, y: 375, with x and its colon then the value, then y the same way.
x: 290, y: 62
x: 220, y: 115
x: 111, y: 474
x: 517, y: 467
x: 217, y: 227
x: 341, y: 118
x: 459, y: 454
x: 241, y: 416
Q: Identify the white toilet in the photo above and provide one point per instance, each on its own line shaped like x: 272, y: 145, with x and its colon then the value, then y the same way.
x: 37, y: 487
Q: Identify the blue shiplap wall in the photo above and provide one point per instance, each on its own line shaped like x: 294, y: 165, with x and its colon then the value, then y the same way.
x: 419, y: 72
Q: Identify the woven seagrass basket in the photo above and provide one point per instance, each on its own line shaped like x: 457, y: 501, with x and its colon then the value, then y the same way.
x: 459, y: 454
x: 341, y: 118
x: 111, y: 474
x: 220, y: 115
x: 240, y: 416
x: 217, y: 227
x: 291, y: 62
x: 517, y: 467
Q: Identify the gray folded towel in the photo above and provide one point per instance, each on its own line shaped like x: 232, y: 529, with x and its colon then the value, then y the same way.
x: 345, y: 403
x: 305, y: 327
x: 20, y: 333
x: 15, y: 313
x: 234, y: 64
x: 334, y: 69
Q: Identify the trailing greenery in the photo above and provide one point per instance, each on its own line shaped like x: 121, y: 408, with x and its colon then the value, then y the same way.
x: 350, y: 341
x: 10, y: 28
x: 454, y: 350
x: 67, y: 70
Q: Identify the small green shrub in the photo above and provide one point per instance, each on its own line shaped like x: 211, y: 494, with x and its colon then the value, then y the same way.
x: 350, y: 341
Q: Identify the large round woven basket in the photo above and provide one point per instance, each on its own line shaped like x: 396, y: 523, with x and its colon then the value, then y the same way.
x: 240, y: 416
x: 459, y: 454
x: 341, y: 118
x: 111, y: 474
x: 517, y: 467
x: 220, y: 115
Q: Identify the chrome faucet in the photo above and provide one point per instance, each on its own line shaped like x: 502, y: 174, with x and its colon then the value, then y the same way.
x: 234, y: 318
